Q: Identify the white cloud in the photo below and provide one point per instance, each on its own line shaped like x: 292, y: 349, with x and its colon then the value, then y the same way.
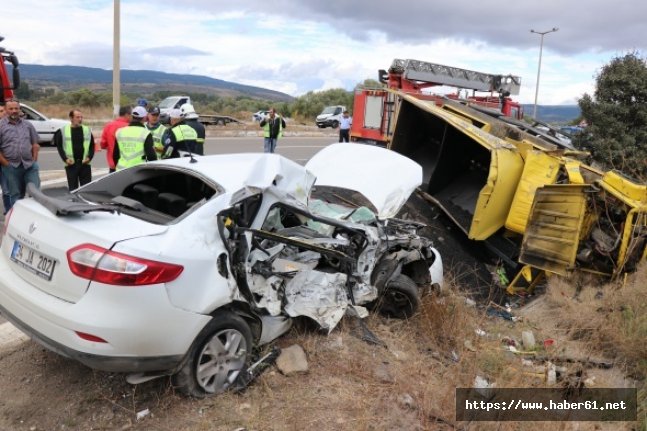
x: 297, y: 47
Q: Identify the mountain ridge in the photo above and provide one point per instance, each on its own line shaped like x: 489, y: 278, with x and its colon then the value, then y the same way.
x: 141, y: 81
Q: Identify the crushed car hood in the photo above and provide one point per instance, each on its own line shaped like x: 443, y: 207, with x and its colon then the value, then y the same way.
x: 384, y: 177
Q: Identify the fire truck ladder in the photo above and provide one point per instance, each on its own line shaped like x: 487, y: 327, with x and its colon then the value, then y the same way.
x: 415, y: 70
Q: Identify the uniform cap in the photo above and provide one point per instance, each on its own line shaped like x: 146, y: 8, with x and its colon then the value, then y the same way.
x: 139, y: 112
x: 154, y: 110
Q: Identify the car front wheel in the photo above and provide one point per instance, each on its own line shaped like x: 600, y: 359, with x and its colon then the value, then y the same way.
x: 400, y: 298
x: 218, y: 356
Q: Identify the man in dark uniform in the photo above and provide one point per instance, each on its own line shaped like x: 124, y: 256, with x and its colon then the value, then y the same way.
x: 180, y: 137
x: 75, y: 145
x: 191, y: 119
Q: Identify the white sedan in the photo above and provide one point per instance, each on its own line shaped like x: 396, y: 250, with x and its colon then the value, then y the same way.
x: 181, y: 267
x: 45, y: 127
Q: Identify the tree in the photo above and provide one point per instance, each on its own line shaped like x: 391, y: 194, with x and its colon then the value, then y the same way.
x: 617, y: 116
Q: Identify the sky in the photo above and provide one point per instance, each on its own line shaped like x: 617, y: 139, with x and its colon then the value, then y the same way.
x: 296, y: 46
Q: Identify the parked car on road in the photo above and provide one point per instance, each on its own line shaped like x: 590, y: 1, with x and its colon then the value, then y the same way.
x: 181, y: 267
x: 45, y: 127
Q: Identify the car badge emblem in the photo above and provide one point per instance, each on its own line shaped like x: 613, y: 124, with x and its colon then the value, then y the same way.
x: 32, y: 228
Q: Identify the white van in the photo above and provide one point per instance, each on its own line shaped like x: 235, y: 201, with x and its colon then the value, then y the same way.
x: 330, y: 116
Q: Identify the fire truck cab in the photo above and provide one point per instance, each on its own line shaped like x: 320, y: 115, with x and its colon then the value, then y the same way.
x: 8, y: 84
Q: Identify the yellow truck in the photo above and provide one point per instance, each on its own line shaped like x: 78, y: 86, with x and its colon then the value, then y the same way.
x: 534, y: 203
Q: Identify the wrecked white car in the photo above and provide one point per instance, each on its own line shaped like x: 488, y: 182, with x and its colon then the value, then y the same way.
x: 181, y: 267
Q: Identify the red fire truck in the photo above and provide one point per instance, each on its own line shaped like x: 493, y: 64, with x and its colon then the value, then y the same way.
x: 8, y: 85
x: 374, y: 109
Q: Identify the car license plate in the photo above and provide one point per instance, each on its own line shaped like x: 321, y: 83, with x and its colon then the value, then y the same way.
x: 32, y: 260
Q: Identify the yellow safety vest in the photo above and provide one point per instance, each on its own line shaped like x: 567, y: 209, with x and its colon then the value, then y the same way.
x: 185, y: 133
x: 266, y: 127
x: 66, y: 134
x: 131, y: 141
x: 158, y: 133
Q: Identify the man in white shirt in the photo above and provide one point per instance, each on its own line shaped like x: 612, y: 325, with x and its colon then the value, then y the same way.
x: 344, y: 127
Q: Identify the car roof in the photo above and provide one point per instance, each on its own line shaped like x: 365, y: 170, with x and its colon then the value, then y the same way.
x: 261, y: 170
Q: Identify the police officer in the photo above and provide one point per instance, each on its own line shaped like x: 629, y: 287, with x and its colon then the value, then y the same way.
x: 180, y: 137
x: 134, y: 143
x: 157, y: 129
x: 75, y: 145
x: 191, y: 119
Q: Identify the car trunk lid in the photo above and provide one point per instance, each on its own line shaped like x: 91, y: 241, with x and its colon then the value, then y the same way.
x: 36, y: 242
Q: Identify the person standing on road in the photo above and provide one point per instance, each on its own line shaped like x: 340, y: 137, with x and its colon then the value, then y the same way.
x: 134, y: 143
x: 109, y: 132
x: 344, y: 127
x: 191, y: 119
x: 181, y: 137
x: 18, y: 152
x: 157, y: 129
x: 75, y: 145
x: 6, y: 202
x: 273, y: 126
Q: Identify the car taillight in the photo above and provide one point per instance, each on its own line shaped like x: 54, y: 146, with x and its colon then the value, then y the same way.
x: 96, y: 263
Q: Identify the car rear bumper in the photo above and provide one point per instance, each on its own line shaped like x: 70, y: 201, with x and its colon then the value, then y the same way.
x: 142, y: 330
x: 162, y: 364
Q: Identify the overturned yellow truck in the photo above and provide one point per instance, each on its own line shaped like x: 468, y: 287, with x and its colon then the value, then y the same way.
x: 534, y: 204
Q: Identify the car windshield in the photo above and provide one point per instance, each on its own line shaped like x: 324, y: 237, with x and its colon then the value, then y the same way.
x: 329, y: 110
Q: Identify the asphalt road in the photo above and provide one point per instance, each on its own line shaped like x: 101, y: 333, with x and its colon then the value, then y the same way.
x: 299, y: 149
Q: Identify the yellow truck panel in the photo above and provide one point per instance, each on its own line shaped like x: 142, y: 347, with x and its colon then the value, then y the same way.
x: 540, y: 169
x: 553, y: 231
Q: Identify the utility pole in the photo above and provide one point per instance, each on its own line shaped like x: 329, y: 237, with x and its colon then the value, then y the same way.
x: 541, y: 48
x: 116, y: 83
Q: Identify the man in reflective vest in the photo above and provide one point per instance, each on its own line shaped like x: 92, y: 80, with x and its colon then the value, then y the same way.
x: 180, y: 137
x: 157, y: 129
x: 190, y: 118
x: 134, y: 143
x: 273, y: 126
x: 75, y: 145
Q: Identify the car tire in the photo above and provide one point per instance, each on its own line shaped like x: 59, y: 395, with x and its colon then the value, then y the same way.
x: 335, y: 124
x: 217, y: 357
x: 400, y: 298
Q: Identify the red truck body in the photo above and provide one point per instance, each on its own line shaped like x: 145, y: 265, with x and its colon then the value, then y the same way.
x: 9, y: 84
x: 374, y: 109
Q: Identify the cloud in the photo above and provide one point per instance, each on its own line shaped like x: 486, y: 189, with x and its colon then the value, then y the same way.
x: 173, y: 51
x: 296, y: 46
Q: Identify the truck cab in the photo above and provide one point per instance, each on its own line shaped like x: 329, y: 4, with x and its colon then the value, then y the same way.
x: 173, y: 102
x: 330, y: 116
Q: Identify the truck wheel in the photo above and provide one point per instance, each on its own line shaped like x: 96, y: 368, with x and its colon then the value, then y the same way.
x: 217, y: 357
x: 335, y: 124
x: 400, y: 298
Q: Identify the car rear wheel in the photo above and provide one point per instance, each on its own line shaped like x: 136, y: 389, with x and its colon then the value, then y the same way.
x: 400, y: 298
x: 218, y: 356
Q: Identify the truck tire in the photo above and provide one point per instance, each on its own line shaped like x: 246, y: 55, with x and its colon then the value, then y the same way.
x: 335, y: 124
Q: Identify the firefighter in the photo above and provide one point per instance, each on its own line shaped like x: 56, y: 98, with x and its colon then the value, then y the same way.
x: 75, y: 145
x: 157, y: 129
x: 134, y: 143
x: 180, y: 137
x: 191, y: 119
